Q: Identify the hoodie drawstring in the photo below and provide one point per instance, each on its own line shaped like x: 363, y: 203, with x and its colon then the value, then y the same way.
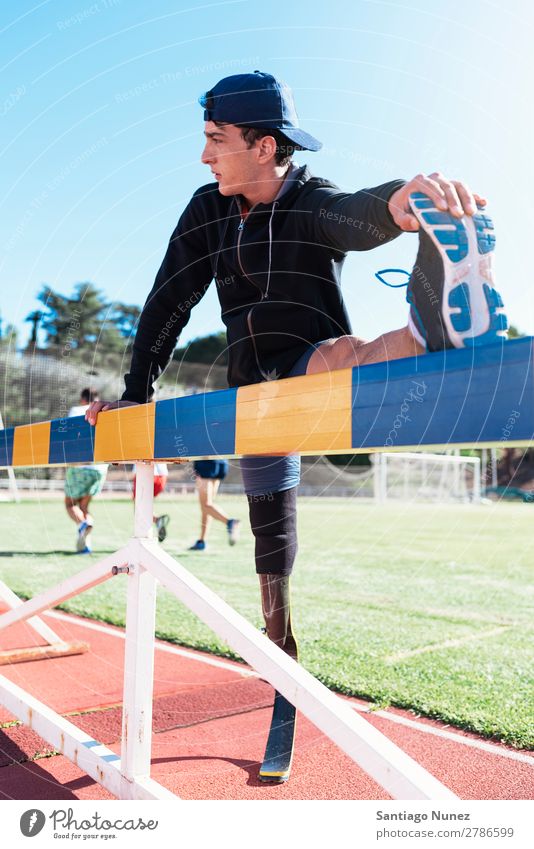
x: 219, y: 249
x: 266, y: 294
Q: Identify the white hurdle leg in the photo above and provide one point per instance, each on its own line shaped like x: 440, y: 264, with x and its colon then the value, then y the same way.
x: 92, y: 757
x: 392, y: 768
x: 40, y: 627
x: 139, y: 643
x: 90, y: 577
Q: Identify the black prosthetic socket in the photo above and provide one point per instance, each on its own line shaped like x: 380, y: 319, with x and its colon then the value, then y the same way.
x: 273, y: 520
x: 274, y: 524
x: 275, y: 603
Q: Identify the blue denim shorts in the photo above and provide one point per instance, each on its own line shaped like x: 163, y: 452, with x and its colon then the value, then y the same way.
x: 211, y: 469
x: 263, y: 475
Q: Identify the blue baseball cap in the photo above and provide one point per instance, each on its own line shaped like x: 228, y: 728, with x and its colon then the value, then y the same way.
x: 257, y: 100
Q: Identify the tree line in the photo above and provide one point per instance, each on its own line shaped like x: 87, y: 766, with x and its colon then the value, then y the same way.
x: 86, y: 320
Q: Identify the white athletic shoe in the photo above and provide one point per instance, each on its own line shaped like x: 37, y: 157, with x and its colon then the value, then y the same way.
x: 83, y: 541
x: 451, y: 291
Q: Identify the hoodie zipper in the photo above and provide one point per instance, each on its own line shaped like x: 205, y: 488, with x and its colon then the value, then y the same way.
x: 251, y: 332
x: 264, y: 295
x: 240, y: 231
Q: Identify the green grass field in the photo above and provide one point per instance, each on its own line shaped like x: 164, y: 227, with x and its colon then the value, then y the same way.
x: 427, y: 607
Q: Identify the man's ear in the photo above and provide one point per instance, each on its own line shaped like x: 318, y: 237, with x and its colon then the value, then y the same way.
x: 266, y: 148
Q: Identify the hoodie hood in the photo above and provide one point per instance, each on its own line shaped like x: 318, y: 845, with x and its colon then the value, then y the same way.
x: 296, y: 177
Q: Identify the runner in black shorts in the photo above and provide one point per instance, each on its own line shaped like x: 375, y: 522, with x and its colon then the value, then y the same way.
x: 209, y: 474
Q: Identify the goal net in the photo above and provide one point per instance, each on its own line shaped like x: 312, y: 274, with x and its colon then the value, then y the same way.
x: 426, y: 477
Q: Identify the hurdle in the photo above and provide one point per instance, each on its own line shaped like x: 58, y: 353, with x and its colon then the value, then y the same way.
x: 459, y: 398
x: 54, y: 645
x: 11, y: 474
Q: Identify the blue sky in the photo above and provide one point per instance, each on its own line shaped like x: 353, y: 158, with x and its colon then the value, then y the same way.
x: 102, y: 131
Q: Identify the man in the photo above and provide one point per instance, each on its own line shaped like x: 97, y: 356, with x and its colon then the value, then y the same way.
x: 274, y: 238
x: 82, y: 483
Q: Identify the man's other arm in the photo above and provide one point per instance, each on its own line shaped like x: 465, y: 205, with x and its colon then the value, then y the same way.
x: 181, y: 282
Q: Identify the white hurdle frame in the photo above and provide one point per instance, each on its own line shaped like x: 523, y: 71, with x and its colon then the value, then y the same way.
x: 13, y: 488
x: 144, y: 563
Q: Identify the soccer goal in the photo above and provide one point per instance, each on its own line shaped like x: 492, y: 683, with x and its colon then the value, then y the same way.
x: 420, y: 476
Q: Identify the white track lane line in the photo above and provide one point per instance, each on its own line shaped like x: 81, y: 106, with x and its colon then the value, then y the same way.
x: 448, y: 644
x: 491, y: 748
x: 189, y: 654
x: 362, y: 707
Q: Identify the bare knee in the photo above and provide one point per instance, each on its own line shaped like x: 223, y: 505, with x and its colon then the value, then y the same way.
x: 335, y: 354
x: 345, y: 351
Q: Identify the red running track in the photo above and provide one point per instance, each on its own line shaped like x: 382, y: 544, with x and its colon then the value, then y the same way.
x: 210, y: 724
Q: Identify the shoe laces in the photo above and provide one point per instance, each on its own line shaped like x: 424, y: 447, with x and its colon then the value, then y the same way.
x: 378, y: 275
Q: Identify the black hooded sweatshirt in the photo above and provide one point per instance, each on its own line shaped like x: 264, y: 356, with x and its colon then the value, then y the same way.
x: 277, y: 273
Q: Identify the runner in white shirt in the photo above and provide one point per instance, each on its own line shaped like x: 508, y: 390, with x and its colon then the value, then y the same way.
x: 82, y: 483
x: 160, y: 479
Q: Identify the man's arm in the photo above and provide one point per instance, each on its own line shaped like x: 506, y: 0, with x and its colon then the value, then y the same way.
x: 353, y: 222
x: 371, y: 217
x: 181, y: 282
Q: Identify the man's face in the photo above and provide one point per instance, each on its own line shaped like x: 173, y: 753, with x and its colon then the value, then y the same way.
x: 233, y: 164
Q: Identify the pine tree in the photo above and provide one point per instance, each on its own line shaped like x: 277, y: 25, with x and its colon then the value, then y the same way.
x: 86, y: 322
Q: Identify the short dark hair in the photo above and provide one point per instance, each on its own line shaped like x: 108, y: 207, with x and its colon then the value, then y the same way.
x: 88, y: 395
x: 284, y: 147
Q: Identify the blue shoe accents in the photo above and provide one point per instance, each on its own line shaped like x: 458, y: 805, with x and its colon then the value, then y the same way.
x: 380, y: 276
x: 459, y: 300
x: 484, y: 232
x: 498, y: 321
x: 233, y: 526
x: 461, y: 320
x: 200, y: 545
x: 451, y: 292
x: 447, y: 229
x: 82, y: 544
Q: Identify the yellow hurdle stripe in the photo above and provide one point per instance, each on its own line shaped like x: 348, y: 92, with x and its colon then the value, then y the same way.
x: 309, y: 413
x: 275, y: 774
x: 31, y: 445
x: 126, y: 434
